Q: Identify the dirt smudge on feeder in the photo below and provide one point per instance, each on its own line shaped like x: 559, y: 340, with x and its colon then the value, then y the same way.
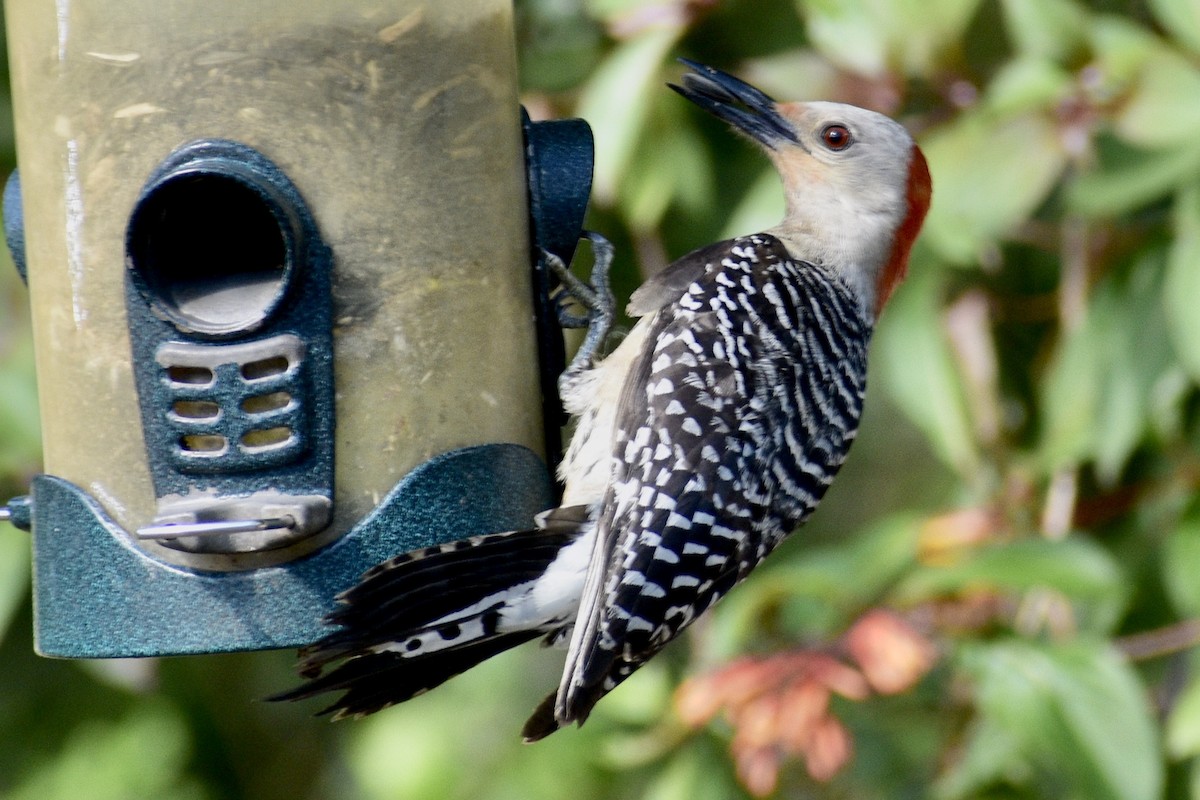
x: 409, y: 21
x: 118, y: 59
x: 137, y: 110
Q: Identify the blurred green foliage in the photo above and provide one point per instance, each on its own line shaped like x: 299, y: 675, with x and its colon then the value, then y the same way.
x: 1023, y: 493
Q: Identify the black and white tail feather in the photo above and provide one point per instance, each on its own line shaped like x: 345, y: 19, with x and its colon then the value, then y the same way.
x: 421, y: 618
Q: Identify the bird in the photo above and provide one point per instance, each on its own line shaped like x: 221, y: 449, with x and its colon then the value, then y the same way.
x: 702, y: 441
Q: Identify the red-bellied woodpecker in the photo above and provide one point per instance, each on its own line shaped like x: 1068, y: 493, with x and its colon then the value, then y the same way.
x: 702, y: 441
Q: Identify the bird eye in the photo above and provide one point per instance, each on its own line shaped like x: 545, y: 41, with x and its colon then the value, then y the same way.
x: 836, y: 137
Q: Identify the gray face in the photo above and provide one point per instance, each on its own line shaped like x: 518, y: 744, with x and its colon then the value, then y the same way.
x: 845, y: 172
x: 860, y: 154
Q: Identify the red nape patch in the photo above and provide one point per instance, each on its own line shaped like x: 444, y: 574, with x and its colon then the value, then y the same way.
x: 920, y: 192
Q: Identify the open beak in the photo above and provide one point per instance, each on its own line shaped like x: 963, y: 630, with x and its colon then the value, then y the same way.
x: 749, y: 110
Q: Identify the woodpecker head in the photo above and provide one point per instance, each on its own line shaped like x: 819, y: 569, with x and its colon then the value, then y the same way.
x: 857, y: 186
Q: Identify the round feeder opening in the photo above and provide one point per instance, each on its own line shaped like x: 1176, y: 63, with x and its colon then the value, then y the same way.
x: 212, y: 251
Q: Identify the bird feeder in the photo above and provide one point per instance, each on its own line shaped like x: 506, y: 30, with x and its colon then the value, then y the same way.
x: 289, y: 304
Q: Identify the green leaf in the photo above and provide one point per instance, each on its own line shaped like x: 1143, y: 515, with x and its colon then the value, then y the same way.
x: 1077, y: 712
x: 1099, y: 392
x: 1182, y: 286
x: 850, y: 574
x: 991, y: 755
x: 1162, y: 110
x: 1053, y: 29
x: 1027, y: 84
x: 920, y: 372
x: 1137, y: 355
x: 1181, y: 18
x: 1120, y: 48
x: 1183, y: 724
x: 989, y: 175
x: 1128, y: 179
x: 1071, y: 394
x: 670, y: 164
x: 847, y: 34
x: 873, y: 37
x: 1180, y: 559
x: 1074, y: 566
x: 616, y: 103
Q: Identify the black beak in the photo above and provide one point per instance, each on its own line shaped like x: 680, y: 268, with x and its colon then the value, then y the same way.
x: 749, y: 110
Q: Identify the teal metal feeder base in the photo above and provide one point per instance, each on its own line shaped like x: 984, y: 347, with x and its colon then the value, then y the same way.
x: 98, y: 596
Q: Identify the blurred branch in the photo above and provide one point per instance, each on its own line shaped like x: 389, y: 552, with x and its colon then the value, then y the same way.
x: 969, y: 328
x: 1059, y: 509
x: 1073, y: 285
x: 1160, y: 642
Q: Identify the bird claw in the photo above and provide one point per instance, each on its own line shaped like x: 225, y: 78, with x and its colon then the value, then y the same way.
x: 595, y: 296
x: 567, y: 318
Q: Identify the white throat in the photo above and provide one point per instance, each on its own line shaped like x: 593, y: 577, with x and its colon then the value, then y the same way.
x: 852, y: 259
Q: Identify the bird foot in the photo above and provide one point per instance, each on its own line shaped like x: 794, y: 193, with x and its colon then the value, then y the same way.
x: 594, y: 295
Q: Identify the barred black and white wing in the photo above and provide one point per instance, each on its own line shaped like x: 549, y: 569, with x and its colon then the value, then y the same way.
x: 730, y: 428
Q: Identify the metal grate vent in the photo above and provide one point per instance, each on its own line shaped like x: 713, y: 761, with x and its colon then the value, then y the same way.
x: 233, y: 408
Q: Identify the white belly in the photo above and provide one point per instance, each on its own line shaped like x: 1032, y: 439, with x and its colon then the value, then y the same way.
x: 592, y: 399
